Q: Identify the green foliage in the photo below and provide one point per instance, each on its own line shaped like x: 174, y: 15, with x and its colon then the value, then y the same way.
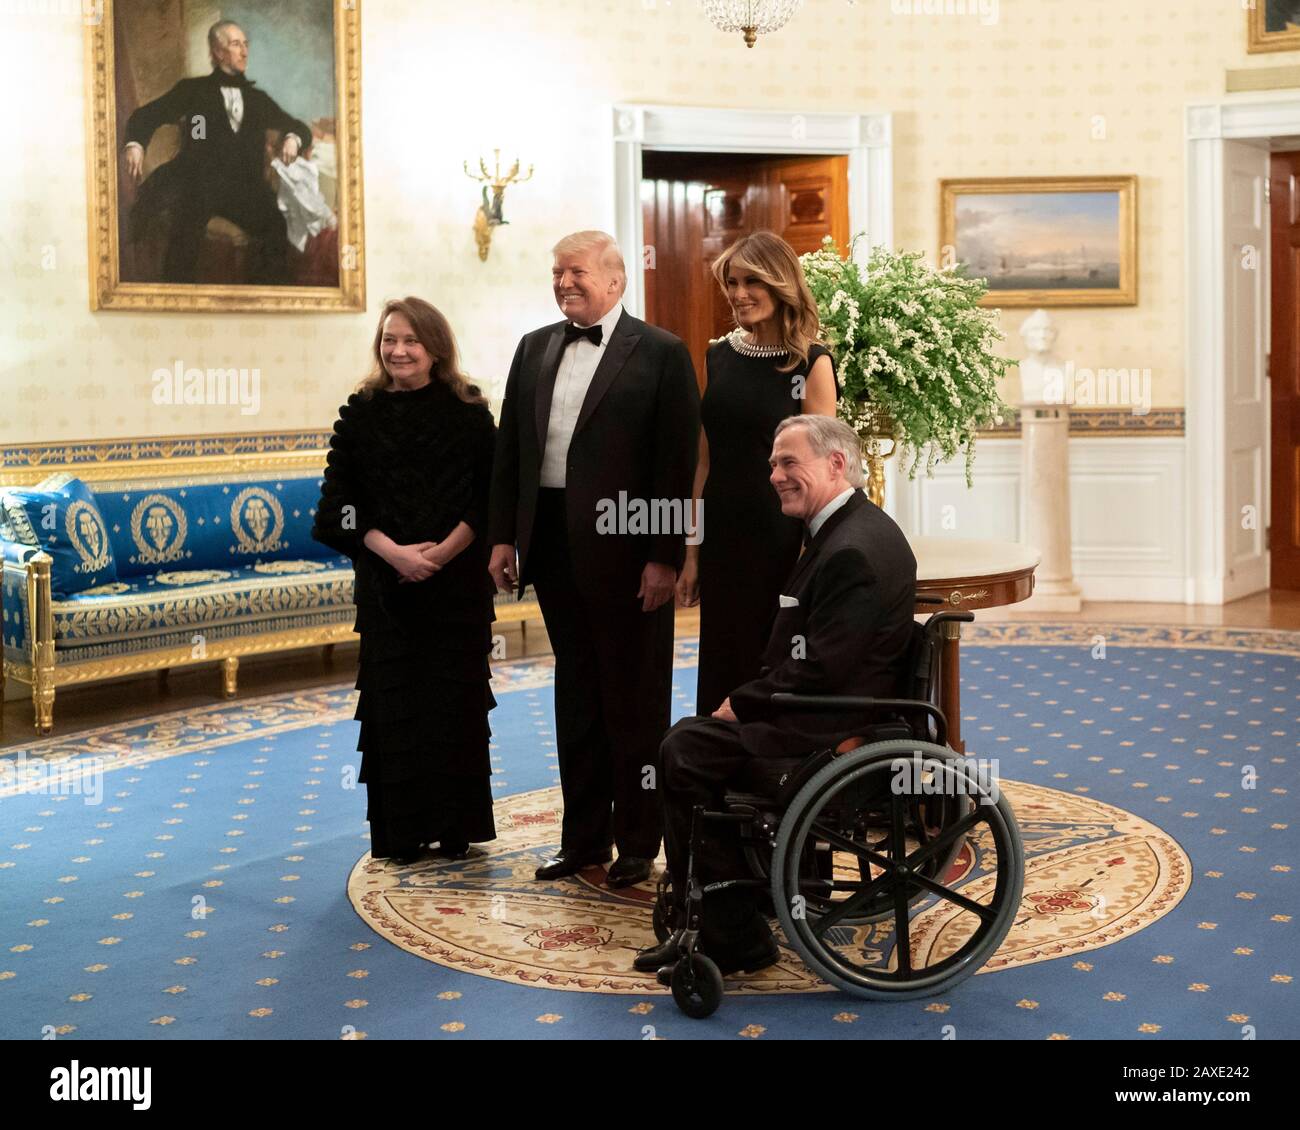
x: 911, y: 343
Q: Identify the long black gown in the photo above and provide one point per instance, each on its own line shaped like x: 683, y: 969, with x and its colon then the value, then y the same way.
x: 414, y: 465
x: 749, y: 547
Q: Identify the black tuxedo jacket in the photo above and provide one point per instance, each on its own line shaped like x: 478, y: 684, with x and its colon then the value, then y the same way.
x: 221, y: 154
x: 844, y: 628
x: 637, y: 431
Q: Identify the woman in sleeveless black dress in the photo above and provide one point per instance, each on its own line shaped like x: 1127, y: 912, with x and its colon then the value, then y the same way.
x: 768, y: 368
x: 405, y: 496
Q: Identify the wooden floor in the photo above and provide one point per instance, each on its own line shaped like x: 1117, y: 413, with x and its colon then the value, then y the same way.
x: 107, y: 703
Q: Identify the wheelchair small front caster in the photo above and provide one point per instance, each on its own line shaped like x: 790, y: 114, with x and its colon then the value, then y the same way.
x: 697, y: 986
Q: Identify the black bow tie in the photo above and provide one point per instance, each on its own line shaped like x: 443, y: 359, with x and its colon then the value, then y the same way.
x: 592, y: 333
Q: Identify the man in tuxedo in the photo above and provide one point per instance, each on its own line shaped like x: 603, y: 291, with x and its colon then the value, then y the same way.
x: 221, y: 168
x: 598, y: 404
x: 843, y: 627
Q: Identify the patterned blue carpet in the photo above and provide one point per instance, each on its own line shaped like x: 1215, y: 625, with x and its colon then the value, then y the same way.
x: 221, y: 888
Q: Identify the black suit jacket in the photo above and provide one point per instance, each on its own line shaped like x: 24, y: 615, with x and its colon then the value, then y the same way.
x: 637, y: 431
x: 848, y: 632
x: 221, y: 154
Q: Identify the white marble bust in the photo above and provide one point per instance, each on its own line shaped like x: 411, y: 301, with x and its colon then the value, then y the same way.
x: 1039, y: 335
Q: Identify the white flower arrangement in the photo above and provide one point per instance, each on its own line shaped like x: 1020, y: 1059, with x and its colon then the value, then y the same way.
x: 911, y: 344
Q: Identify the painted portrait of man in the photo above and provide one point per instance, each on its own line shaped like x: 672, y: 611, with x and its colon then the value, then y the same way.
x: 226, y: 149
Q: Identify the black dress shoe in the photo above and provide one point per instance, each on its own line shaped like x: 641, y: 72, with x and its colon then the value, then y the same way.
x: 748, y: 961
x: 452, y: 849
x: 661, y: 958
x: 570, y: 863
x: 656, y: 957
x: 627, y: 870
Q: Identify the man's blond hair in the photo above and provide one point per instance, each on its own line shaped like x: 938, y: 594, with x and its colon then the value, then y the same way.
x: 611, y: 258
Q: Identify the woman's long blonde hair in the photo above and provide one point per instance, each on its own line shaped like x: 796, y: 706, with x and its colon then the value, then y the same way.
x: 773, y: 262
x: 433, y: 331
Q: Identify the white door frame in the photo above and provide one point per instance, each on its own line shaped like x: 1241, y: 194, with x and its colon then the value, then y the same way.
x: 867, y: 139
x: 1209, y: 126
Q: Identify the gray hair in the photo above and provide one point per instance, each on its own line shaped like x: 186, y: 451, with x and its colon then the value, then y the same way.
x: 827, y: 434
x: 216, y: 38
x: 611, y: 258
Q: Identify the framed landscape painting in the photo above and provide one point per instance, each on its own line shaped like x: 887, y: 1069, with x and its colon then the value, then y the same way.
x: 1273, y: 25
x: 225, y: 155
x: 1044, y: 241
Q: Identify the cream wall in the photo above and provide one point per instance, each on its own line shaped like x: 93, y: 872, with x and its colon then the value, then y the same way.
x: 445, y: 80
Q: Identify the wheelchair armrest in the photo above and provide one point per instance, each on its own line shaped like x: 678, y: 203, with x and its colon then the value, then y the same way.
x: 929, y: 598
x: 824, y: 703
x: 942, y: 617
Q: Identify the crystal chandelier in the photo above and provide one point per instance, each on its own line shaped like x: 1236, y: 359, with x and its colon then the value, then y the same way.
x: 751, y: 17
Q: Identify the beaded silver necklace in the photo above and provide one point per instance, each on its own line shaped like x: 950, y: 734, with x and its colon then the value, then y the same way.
x: 736, y: 339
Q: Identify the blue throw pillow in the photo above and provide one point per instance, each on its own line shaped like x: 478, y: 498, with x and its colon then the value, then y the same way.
x: 60, y: 516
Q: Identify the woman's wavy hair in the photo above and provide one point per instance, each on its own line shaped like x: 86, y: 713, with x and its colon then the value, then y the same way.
x: 434, y: 333
x: 773, y: 262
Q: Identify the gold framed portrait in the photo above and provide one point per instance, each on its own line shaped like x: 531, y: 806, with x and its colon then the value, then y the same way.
x: 1044, y: 241
x: 1273, y: 25
x: 224, y: 153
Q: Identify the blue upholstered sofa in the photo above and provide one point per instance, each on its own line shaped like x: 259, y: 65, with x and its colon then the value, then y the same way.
x: 114, y: 567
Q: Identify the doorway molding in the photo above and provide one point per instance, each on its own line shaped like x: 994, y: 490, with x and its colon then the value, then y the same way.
x: 867, y: 140
x: 1209, y: 127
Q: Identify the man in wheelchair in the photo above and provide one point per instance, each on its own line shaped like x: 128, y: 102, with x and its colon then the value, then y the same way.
x: 843, y: 627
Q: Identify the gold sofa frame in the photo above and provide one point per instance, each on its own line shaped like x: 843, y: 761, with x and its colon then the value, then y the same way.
x: 167, y: 458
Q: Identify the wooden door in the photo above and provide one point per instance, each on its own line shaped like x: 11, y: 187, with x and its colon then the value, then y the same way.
x: 695, y: 205
x: 1245, y: 500
x: 1284, y: 369
x: 808, y: 199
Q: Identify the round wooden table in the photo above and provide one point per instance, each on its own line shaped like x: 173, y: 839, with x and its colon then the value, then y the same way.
x: 968, y: 574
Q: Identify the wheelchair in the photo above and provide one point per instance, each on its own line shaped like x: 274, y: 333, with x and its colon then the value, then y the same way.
x: 893, y: 864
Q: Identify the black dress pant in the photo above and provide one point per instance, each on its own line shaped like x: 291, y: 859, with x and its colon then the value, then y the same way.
x: 613, y: 688
x: 698, y: 757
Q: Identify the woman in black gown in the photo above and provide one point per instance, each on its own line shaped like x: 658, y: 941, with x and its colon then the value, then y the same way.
x: 768, y: 368
x: 405, y: 496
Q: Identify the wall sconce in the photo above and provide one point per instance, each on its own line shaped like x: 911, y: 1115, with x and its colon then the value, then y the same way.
x: 489, y: 212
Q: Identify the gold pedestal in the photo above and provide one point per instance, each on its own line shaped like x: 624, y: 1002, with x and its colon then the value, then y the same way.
x: 875, y: 429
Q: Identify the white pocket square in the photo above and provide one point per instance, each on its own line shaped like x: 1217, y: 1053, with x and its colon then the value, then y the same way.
x: 789, y: 601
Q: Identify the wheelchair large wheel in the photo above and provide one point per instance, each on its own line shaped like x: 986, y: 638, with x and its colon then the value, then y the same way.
x: 940, y: 930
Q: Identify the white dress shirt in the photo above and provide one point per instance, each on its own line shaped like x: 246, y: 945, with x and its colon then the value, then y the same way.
x: 577, y: 367
x: 234, y: 100
x: 826, y: 511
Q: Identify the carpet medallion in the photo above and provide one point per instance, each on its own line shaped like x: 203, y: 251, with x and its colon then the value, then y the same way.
x: 1094, y: 874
